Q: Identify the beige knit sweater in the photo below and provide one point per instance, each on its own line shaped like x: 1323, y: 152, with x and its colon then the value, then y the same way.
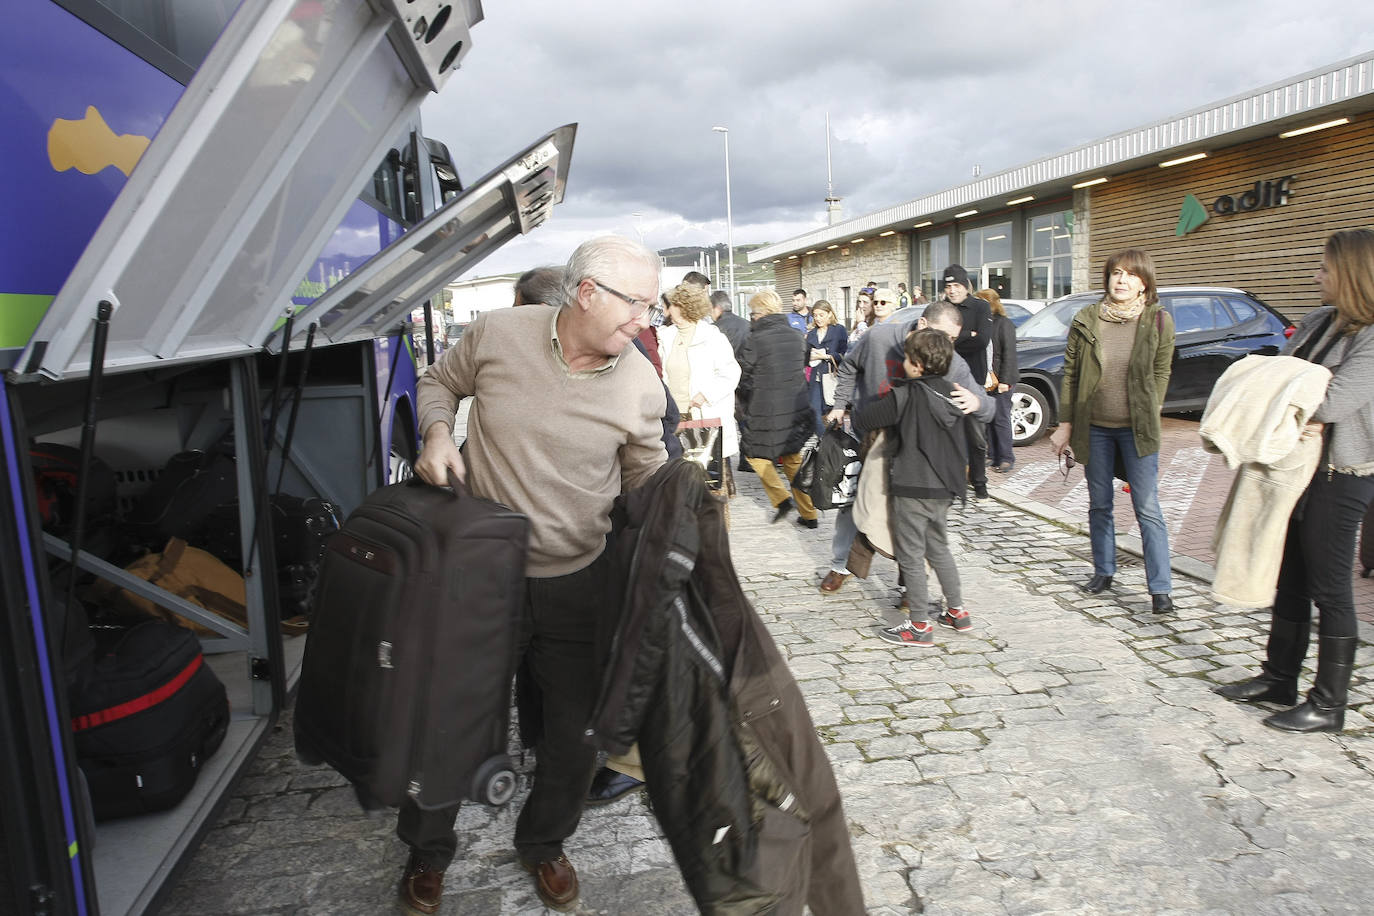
x: 556, y: 445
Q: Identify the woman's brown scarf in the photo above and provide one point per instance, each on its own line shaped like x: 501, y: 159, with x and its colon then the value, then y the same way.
x: 1110, y: 310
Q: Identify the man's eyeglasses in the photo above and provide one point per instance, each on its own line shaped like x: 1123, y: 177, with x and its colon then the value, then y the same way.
x: 637, y: 306
x: 1066, y: 463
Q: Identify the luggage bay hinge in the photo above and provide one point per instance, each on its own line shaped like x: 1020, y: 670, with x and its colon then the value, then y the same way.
x: 384, y: 655
x: 261, y: 669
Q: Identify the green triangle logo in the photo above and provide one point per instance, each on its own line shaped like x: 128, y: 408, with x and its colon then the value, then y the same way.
x: 1192, y: 215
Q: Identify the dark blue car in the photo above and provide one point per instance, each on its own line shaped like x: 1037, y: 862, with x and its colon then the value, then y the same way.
x: 1214, y: 326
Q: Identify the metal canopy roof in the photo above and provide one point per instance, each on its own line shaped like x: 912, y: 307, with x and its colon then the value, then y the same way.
x: 1342, y: 88
x: 253, y: 169
x: 511, y: 200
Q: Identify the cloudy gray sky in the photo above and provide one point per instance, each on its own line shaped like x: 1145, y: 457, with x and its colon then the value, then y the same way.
x: 918, y: 94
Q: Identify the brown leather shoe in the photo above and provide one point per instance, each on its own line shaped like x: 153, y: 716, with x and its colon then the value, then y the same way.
x: 556, y: 882
x: 832, y: 582
x: 422, y: 888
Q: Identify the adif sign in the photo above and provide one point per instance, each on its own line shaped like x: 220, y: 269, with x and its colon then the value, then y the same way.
x: 1273, y: 193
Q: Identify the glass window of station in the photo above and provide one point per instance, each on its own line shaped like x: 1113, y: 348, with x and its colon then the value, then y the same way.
x: 987, y: 257
x: 934, y: 257
x: 1049, y: 255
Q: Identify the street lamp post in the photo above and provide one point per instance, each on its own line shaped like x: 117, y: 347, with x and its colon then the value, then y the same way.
x: 729, y: 228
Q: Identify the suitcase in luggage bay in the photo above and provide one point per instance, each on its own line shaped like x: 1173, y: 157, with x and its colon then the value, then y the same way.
x: 145, y: 717
x: 405, y: 684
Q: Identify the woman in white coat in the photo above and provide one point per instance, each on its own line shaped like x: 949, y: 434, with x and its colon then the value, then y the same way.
x: 699, y: 363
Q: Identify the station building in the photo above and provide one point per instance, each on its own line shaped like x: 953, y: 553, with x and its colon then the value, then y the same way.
x: 1242, y: 192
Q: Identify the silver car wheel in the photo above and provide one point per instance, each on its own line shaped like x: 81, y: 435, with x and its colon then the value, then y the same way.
x: 1029, y: 414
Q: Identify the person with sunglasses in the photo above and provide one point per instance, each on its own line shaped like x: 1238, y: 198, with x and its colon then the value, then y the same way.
x: 1116, y: 369
x: 566, y: 413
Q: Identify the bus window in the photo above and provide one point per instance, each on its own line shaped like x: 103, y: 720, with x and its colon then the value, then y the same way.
x: 172, y: 35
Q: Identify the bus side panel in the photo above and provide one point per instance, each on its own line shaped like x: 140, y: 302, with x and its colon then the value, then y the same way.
x: 46, y: 832
x: 80, y: 110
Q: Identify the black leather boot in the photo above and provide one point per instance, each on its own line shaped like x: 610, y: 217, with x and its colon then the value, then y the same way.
x: 1324, y: 710
x: 1278, y: 682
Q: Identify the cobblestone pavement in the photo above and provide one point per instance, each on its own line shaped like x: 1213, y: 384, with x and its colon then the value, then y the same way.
x: 1066, y: 756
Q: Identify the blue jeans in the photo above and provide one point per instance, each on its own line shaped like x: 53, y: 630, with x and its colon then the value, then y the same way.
x: 843, y: 538
x: 1142, y: 473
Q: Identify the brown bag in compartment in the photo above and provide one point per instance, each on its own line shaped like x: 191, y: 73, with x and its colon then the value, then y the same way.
x: 190, y: 573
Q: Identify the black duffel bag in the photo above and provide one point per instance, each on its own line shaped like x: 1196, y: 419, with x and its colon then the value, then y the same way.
x: 145, y: 716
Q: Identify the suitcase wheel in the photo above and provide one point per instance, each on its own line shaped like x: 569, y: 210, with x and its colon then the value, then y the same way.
x: 494, y: 782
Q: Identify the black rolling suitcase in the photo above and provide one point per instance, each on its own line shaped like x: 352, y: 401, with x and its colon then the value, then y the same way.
x: 145, y: 717
x: 405, y: 684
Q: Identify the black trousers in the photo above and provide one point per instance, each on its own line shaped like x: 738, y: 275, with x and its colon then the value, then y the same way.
x: 1319, y: 553
x: 977, y: 454
x: 558, y: 650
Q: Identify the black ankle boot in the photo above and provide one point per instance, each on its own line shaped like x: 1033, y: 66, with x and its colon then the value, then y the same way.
x: 1278, y: 681
x: 1265, y: 688
x: 1324, y: 710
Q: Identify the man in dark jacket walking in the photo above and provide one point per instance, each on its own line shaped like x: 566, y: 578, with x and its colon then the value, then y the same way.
x: 735, y: 328
x: 972, y: 344
x: 779, y: 419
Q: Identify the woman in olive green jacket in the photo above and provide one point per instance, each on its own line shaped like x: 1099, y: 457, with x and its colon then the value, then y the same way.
x: 1116, y: 370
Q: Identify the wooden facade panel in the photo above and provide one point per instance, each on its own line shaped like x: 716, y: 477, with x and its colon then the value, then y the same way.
x: 1272, y: 251
x: 787, y: 277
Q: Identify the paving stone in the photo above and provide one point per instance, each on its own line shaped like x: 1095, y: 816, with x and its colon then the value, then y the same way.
x: 952, y: 741
x: 1006, y: 771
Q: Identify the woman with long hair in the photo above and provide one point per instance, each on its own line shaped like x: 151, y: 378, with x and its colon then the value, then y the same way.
x: 1004, y: 375
x: 1116, y: 369
x: 828, y: 343
x: 1320, y: 547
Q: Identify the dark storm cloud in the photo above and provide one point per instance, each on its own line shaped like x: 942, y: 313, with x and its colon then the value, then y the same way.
x: 918, y: 93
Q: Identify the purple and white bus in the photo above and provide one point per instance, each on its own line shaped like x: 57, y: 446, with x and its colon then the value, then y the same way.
x: 215, y: 208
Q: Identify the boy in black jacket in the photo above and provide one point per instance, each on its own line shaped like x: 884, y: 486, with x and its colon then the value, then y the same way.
x: 928, y: 472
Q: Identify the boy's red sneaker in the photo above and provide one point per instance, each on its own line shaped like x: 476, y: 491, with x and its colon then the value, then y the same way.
x: 920, y: 634
x: 956, y: 619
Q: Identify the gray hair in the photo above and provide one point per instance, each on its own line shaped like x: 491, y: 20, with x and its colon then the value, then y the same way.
x: 721, y: 299
x: 598, y: 257
x: 540, y: 285
x: 943, y: 312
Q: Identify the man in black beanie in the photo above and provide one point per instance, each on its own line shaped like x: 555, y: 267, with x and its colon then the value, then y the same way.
x: 972, y: 345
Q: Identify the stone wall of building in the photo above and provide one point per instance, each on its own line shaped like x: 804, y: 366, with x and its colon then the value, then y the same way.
x: 826, y: 274
x: 1083, y: 272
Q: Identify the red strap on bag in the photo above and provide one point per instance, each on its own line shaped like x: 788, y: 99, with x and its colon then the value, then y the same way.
x: 138, y: 704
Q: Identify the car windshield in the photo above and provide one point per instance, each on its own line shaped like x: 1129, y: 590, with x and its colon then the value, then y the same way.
x: 1052, y: 322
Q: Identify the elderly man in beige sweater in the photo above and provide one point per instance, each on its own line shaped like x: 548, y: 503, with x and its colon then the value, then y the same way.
x: 566, y: 413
